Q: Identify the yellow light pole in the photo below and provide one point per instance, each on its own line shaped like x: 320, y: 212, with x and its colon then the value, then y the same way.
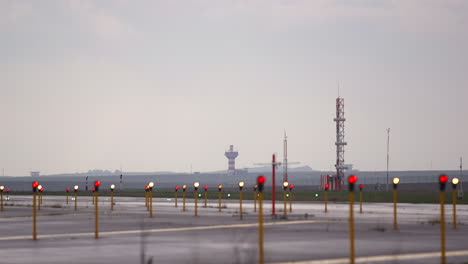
x: 195, y: 186
x: 260, y: 183
x: 183, y: 196
x: 442, y: 181
x: 326, y: 196
x: 96, y: 209
x: 93, y: 194
x: 176, y: 189
x: 150, y: 192
x: 39, y: 197
x: 76, y: 197
x: 35, y: 184
x: 1, y: 197
x: 396, y: 181
x: 255, y: 197
x: 112, y: 187
x: 291, y: 186
x: 285, y: 209
x: 205, y: 195
x: 220, y: 191
x: 360, y: 197
x: 8, y: 194
x: 241, y: 185
x: 68, y: 193
x: 352, y: 179
x: 41, y: 191
x: 455, y: 182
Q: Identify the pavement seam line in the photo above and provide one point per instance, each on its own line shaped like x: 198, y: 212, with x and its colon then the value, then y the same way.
x: 381, y: 258
x: 159, y: 230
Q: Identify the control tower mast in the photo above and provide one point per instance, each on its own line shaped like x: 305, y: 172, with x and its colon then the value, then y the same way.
x: 340, y: 143
x: 231, y: 155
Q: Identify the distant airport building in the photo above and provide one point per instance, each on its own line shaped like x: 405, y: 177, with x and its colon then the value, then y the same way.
x: 231, y: 155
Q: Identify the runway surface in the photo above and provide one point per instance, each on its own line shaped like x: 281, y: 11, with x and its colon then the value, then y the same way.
x: 307, y: 235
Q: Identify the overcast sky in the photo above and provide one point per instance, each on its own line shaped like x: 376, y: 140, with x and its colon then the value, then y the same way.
x: 166, y: 85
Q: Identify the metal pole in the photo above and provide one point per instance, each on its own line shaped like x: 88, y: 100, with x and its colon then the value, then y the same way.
x: 326, y: 201
x: 96, y: 216
x: 255, y: 200
x: 151, y: 202
x: 219, y: 201
x: 67, y: 197
x: 240, y: 203
x: 360, y: 201
x: 388, y: 153
x: 76, y: 201
x: 183, y: 201
x: 285, y: 209
x: 260, y: 228
x: 175, y: 198
x: 351, y: 226
x: 112, y: 200
x: 146, y: 199
x: 205, y: 199
x: 34, y: 216
x: 1, y: 198
x: 395, y: 197
x: 454, y: 201
x: 442, y: 227
x: 196, y: 203
x: 290, y: 201
x: 273, y: 186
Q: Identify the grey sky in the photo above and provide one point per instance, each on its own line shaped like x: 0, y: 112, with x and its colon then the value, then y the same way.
x: 161, y: 85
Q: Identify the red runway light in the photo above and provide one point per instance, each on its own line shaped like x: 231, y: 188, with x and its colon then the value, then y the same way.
x: 205, y: 187
x: 35, y: 184
x: 261, y: 179
x: 177, y: 187
x: 443, y: 178
x: 42, y: 189
x: 291, y: 186
x: 7, y: 190
x: 67, y: 189
x: 94, y: 189
x: 97, y: 183
x: 352, y: 179
x: 361, y: 186
x: 327, y: 186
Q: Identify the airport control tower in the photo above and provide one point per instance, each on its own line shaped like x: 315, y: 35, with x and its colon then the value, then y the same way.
x: 231, y: 155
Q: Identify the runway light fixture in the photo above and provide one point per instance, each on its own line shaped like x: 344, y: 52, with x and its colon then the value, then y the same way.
x: 196, y: 185
x: 455, y: 182
x: 220, y: 187
x: 39, y: 187
x: 327, y: 186
x: 96, y: 185
x: 261, y: 183
x: 241, y: 185
x: 112, y: 187
x: 2, y: 188
x: 291, y: 186
x: 285, y: 185
x: 76, y: 188
x: 205, y: 187
x: 176, y: 188
x: 184, y: 187
x: 396, y: 181
x: 151, y: 184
